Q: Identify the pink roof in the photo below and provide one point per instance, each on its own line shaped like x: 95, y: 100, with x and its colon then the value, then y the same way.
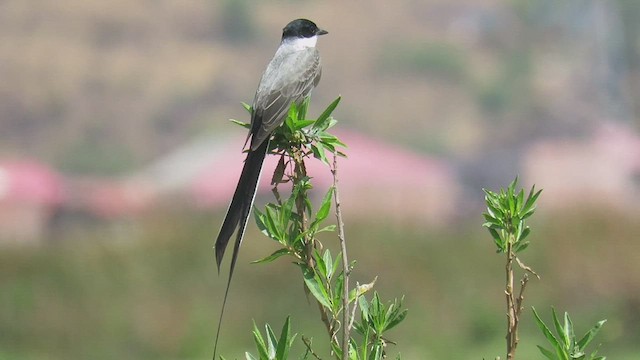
x: 598, y: 169
x: 375, y: 176
x: 29, y: 181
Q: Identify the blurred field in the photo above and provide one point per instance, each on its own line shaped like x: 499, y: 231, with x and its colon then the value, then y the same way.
x: 156, y: 295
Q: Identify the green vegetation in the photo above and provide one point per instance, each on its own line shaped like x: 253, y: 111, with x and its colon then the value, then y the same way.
x: 293, y: 224
x: 148, y: 296
x: 565, y: 344
x: 507, y: 211
x: 151, y: 295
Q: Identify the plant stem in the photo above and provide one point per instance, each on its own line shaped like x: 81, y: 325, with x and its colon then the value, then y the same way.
x: 307, y: 343
x: 300, y: 173
x: 512, y: 313
x: 346, y: 323
x: 514, y: 305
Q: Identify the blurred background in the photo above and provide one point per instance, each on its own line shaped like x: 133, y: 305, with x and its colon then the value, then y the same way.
x: 117, y: 163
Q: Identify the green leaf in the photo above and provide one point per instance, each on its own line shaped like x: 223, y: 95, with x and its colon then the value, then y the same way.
x: 301, y: 124
x: 330, y: 139
x: 304, y: 107
x: 494, y: 210
x: 560, y: 330
x: 498, y: 240
x: 353, y: 352
x: 325, y: 207
x: 577, y: 354
x: 586, y: 339
x: 548, y: 354
x: 292, y: 117
x: 319, y: 153
x: 550, y: 337
x: 321, y: 122
x: 513, y: 185
x: 287, y: 209
x: 520, y: 246
x: 336, y: 262
x: 519, y: 199
x: 247, y: 107
x: 529, y: 205
x: 241, y: 123
x: 321, y: 266
x: 271, y: 215
x: 283, y: 344
x: 490, y: 220
x: 315, y: 151
x: 376, y: 353
x: 568, y: 325
x: 337, y: 350
x: 527, y: 214
x: 332, y: 123
x: 276, y: 254
x: 364, y: 308
x: 316, y: 287
x: 260, y: 344
x: 327, y: 228
x: 328, y: 261
x: 272, y: 342
x: 261, y: 221
x: 397, y: 319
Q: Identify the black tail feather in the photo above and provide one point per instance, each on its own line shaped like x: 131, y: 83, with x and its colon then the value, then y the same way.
x: 240, y: 207
x: 238, y: 216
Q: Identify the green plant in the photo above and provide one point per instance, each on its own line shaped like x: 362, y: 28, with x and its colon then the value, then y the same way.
x: 294, y: 225
x: 272, y: 348
x: 506, y: 214
x: 507, y: 211
x: 565, y: 344
x: 376, y: 320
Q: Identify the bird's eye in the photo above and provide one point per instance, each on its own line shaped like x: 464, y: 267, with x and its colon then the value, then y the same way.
x: 309, y: 31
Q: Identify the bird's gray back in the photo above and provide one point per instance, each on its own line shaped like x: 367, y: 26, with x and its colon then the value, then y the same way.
x: 289, y: 77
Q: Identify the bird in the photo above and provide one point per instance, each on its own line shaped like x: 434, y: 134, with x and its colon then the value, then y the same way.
x: 291, y: 75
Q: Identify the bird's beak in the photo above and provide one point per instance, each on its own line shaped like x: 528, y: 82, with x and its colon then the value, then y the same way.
x: 321, y: 32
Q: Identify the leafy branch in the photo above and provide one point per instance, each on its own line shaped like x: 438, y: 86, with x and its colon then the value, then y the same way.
x: 507, y: 211
x: 292, y: 222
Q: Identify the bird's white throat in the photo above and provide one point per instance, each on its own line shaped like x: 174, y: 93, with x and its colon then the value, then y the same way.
x: 301, y: 43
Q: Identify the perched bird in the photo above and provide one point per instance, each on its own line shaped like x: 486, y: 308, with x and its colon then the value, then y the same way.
x: 290, y: 76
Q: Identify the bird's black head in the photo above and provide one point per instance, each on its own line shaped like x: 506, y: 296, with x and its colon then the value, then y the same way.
x: 301, y: 28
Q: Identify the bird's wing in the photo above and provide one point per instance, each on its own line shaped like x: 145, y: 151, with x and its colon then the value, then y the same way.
x: 272, y: 103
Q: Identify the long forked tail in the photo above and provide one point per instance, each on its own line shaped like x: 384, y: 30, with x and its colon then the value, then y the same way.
x: 238, y: 216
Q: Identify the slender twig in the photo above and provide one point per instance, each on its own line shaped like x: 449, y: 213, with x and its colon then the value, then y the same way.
x: 526, y: 268
x: 299, y: 173
x: 514, y: 305
x: 307, y: 343
x: 353, y: 310
x: 520, y: 299
x: 346, y: 324
x: 512, y: 329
